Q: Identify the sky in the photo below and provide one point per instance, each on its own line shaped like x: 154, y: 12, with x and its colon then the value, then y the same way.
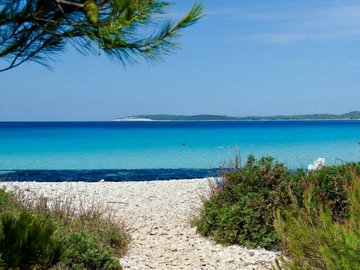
x: 243, y: 58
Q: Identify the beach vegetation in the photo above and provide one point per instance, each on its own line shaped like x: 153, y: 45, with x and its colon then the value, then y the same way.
x: 39, y: 30
x: 27, y: 242
x: 327, y: 186
x: 84, y: 251
x: 240, y: 210
x: 313, y: 239
x: 241, y: 207
x: 59, y: 233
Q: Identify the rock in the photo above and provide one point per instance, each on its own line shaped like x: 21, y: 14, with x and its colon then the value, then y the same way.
x: 173, y: 248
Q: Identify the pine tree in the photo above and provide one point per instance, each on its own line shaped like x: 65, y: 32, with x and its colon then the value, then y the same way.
x: 36, y: 30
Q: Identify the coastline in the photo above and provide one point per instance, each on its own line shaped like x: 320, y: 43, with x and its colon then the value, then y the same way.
x: 158, y: 215
x: 240, y: 120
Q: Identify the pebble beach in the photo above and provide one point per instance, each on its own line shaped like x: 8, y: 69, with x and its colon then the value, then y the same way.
x: 158, y: 215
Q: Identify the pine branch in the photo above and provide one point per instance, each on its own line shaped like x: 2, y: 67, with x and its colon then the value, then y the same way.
x: 117, y: 28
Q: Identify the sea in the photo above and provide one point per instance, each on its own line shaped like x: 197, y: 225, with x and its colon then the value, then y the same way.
x: 163, y: 150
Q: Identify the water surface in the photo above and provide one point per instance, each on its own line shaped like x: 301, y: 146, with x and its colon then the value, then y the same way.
x: 184, y: 146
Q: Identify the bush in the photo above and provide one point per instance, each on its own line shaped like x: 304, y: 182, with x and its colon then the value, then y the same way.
x: 82, y: 251
x: 90, y: 234
x: 327, y: 188
x: 315, y: 239
x: 27, y: 242
x: 241, y: 209
x: 40, y: 225
x: 105, y: 230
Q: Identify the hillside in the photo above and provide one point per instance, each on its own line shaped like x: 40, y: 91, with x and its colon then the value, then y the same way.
x: 208, y: 117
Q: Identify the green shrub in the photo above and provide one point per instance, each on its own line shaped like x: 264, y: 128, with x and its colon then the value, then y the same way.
x: 105, y: 230
x: 91, y: 235
x: 27, y: 242
x: 93, y: 225
x: 82, y: 251
x: 327, y: 188
x: 315, y: 239
x: 241, y: 210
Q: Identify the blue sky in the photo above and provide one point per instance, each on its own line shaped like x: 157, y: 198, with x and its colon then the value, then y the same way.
x: 243, y: 58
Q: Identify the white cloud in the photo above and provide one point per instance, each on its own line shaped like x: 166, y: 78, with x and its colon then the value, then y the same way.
x: 329, y: 21
x: 301, y: 37
x: 248, y: 14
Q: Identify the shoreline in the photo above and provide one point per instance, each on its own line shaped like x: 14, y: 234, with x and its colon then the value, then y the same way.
x: 150, y: 120
x: 240, y: 120
x: 158, y: 215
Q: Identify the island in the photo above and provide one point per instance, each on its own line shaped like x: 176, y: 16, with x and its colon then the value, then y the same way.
x: 354, y: 115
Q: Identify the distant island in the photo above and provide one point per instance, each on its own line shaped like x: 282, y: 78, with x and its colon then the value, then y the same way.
x: 355, y: 115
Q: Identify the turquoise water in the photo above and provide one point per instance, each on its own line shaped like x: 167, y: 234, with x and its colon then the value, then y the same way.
x: 172, y: 145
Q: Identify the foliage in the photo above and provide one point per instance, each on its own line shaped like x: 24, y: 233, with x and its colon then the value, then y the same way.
x: 82, y: 251
x: 109, y: 233
x: 75, y: 225
x: 241, y: 210
x: 6, y: 201
x: 210, y: 117
x: 35, y: 30
x: 106, y: 231
x: 27, y: 242
x: 327, y: 188
x: 315, y: 240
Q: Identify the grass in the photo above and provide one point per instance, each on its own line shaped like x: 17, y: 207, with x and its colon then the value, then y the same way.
x: 80, y: 225
x: 315, y: 238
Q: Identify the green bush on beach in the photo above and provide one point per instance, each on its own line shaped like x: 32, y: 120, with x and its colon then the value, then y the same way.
x: 328, y: 187
x: 242, y: 209
x: 315, y: 238
x: 53, y: 235
x: 27, y: 242
x: 83, y: 251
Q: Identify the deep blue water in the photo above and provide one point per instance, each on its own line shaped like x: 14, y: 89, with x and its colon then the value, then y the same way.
x: 91, y: 151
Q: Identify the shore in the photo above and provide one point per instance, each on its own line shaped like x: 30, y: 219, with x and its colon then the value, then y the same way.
x: 158, y: 215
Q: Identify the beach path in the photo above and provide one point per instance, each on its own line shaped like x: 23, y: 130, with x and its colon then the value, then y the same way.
x: 158, y: 216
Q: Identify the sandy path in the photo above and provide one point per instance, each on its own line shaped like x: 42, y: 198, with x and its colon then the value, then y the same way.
x: 158, y: 215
